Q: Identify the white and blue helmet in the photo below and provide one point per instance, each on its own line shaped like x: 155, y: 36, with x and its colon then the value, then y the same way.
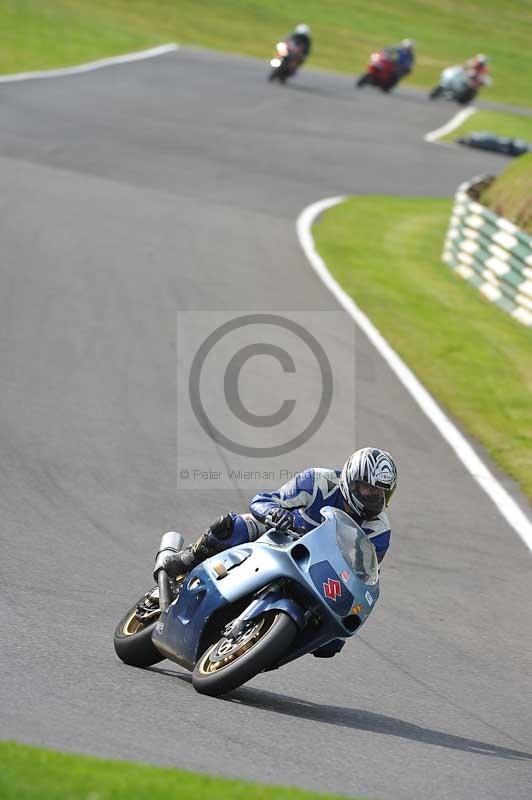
x: 372, y: 467
x: 303, y: 29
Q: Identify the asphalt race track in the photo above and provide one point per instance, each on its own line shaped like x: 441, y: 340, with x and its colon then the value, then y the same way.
x: 131, y: 193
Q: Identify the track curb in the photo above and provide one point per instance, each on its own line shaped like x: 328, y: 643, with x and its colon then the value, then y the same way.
x: 90, y: 66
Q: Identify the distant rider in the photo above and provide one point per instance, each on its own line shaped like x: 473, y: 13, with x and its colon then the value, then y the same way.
x: 476, y: 69
x: 363, y: 488
x: 300, y: 38
x: 403, y: 56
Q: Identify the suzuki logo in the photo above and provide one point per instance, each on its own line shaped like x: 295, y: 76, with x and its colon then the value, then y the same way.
x: 332, y: 589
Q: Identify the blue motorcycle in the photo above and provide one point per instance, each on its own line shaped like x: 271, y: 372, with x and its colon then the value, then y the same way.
x: 256, y: 606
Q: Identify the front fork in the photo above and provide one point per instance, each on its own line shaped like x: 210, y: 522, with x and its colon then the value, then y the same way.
x: 271, y: 598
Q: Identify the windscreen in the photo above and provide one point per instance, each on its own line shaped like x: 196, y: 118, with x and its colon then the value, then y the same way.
x: 358, y: 551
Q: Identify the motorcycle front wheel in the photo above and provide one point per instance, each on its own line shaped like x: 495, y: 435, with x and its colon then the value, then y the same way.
x: 229, y: 663
x: 132, y: 637
x: 278, y: 73
x: 363, y: 80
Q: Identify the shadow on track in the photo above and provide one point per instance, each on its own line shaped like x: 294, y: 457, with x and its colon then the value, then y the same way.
x: 367, y: 721
x: 355, y: 719
x: 182, y: 676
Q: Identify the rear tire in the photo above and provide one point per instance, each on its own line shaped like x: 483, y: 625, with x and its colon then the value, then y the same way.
x: 132, y: 640
x: 267, y: 640
x: 467, y: 96
x: 390, y: 85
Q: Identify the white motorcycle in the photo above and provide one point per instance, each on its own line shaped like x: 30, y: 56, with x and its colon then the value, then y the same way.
x: 455, y: 84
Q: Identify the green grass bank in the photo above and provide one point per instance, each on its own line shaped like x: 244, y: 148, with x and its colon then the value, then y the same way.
x: 473, y: 358
x: 31, y: 772
x: 37, y: 35
x: 516, y: 126
x: 510, y: 195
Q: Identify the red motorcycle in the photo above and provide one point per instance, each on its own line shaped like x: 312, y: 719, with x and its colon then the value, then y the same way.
x: 382, y: 72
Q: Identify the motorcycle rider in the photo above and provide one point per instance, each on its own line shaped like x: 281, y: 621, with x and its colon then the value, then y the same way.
x: 476, y: 69
x: 363, y: 488
x: 300, y: 38
x: 403, y: 56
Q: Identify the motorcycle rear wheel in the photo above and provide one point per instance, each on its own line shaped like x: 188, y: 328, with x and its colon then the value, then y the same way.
x: 228, y: 664
x: 132, y: 639
x: 467, y: 97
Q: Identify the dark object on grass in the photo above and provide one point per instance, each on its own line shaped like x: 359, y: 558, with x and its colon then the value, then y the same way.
x: 498, y: 144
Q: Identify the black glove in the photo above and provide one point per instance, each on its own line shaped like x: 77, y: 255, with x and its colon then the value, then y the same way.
x: 281, y: 518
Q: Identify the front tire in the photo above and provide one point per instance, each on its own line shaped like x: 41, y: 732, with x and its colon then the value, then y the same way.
x: 132, y: 638
x: 363, y: 80
x: 228, y: 664
x: 436, y: 92
x: 280, y: 74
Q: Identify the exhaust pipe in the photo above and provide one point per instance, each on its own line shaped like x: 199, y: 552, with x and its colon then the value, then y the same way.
x: 171, y: 542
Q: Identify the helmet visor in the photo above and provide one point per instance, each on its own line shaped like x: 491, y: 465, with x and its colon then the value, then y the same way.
x: 372, y: 498
x: 368, y: 490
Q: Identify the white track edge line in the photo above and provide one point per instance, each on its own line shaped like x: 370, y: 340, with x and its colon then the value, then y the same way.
x: 454, y: 122
x: 507, y: 506
x: 138, y: 55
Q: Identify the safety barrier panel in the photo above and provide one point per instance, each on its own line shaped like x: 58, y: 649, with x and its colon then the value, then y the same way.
x: 490, y: 252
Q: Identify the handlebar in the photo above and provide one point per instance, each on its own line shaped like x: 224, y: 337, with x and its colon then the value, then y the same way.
x: 272, y: 527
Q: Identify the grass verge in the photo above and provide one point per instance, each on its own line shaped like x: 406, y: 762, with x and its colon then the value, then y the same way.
x: 32, y: 772
x: 510, y: 195
x: 516, y: 126
x: 473, y: 358
x: 36, y: 35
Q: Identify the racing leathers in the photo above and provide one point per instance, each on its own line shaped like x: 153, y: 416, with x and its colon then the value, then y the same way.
x: 302, y: 42
x: 477, y: 73
x: 305, y: 495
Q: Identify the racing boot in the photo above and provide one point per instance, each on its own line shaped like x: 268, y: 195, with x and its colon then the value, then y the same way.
x: 215, y: 539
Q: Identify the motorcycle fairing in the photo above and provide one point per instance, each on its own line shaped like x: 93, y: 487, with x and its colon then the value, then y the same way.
x: 180, y: 628
x: 277, y: 564
x: 328, y: 584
